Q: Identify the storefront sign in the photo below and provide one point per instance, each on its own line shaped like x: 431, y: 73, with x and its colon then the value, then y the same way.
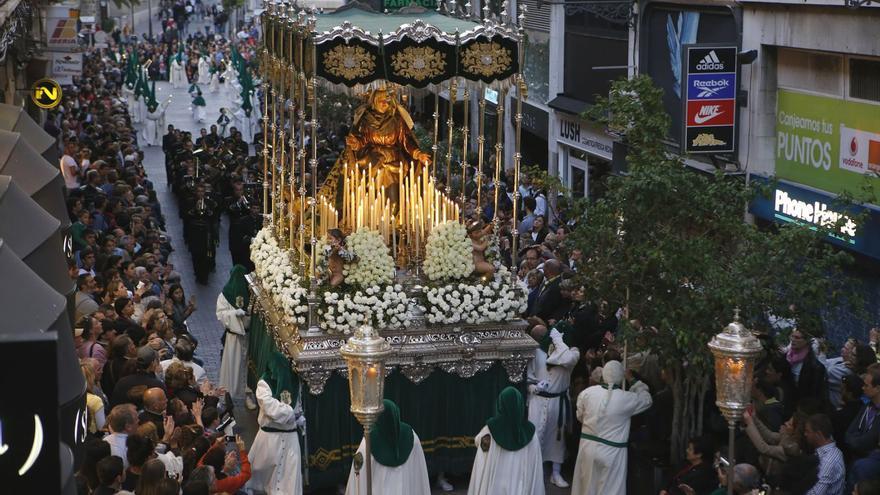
x: 534, y: 120
x: 827, y: 143
x: 67, y: 64
x: 399, y: 4
x: 584, y: 136
x: 61, y: 28
x: 46, y: 93
x: 789, y: 203
x: 709, y: 101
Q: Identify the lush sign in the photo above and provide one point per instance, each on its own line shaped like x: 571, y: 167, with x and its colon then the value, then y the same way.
x: 827, y: 143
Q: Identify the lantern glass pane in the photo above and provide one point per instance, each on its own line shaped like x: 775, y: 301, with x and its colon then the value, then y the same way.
x: 733, y: 380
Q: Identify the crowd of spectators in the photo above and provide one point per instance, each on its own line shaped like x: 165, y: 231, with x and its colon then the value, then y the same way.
x: 154, y: 417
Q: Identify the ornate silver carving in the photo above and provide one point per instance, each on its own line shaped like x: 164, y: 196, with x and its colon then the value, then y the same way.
x: 466, y: 368
x: 418, y: 31
x: 417, y: 372
x: 315, y: 378
x: 515, y: 367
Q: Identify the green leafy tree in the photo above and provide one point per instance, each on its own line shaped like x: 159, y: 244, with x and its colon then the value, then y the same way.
x: 670, y: 245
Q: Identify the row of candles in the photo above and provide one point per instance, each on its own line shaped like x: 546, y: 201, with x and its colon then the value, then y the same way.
x: 366, y: 204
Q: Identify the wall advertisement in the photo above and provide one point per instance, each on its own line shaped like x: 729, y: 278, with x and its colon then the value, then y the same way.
x: 827, y: 143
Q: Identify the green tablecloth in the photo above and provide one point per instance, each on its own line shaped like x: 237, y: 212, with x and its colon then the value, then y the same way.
x: 445, y: 410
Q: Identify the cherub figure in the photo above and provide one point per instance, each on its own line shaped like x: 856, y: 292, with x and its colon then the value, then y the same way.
x: 478, y: 232
x: 336, y: 256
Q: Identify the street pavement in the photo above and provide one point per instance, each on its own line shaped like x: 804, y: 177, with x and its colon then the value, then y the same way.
x: 203, y: 322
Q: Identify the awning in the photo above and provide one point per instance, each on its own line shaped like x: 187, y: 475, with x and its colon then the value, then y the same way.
x: 13, y: 118
x: 30, y: 306
x: 568, y: 104
x: 38, y: 178
x: 34, y: 235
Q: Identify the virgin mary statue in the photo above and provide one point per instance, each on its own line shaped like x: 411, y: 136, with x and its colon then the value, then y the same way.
x: 382, y: 137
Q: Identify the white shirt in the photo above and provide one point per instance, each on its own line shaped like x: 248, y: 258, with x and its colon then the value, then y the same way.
x: 540, y: 205
x: 69, y: 169
x: 117, y: 446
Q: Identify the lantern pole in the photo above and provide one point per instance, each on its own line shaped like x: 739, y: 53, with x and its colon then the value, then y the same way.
x: 265, y: 86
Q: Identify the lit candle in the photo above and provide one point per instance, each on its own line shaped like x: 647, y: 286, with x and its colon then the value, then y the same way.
x: 372, y: 372
x: 393, y: 238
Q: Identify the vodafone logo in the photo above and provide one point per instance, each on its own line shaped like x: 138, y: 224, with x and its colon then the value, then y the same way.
x: 707, y: 113
x: 853, y: 146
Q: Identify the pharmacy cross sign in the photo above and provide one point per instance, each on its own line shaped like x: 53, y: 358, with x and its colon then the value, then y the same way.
x: 709, y: 98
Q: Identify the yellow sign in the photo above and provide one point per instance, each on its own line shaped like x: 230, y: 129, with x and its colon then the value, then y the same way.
x: 46, y: 94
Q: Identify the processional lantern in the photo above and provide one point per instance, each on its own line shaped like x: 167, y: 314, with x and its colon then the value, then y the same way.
x: 735, y: 350
x: 365, y: 355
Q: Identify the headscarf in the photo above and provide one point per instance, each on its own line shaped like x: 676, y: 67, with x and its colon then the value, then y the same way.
x: 392, y: 440
x: 236, y: 289
x: 509, y: 427
x: 279, y: 376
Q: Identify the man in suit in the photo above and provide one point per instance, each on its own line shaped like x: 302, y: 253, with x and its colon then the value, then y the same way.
x: 549, y: 302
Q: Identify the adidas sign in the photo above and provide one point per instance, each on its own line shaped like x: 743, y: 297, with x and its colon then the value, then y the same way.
x: 710, y: 62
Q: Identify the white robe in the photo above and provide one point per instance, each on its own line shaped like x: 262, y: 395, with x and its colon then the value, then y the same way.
x: 601, y: 469
x: 544, y: 411
x: 505, y: 472
x: 204, y: 71
x: 243, y: 123
x: 199, y: 113
x: 410, y: 478
x: 178, y: 75
x: 215, y: 82
x: 130, y: 101
x: 275, y: 457
x: 153, y: 126
x: 232, y: 364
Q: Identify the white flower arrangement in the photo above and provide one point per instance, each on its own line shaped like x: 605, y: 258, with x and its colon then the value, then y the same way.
x: 382, y: 308
x: 274, y: 267
x: 495, y: 301
x: 373, y: 265
x: 448, y: 252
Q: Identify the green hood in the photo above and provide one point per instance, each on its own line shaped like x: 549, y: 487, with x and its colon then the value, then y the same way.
x: 236, y: 289
x: 510, y: 426
x: 279, y: 377
x: 392, y: 440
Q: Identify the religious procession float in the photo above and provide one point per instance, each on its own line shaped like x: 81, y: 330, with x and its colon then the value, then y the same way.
x: 382, y: 240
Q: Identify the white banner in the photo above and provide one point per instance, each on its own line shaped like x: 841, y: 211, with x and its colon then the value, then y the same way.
x: 67, y: 64
x: 859, y: 151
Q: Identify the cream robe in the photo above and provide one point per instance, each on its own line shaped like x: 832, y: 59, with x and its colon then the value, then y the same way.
x: 544, y: 411
x: 410, y: 478
x: 199, y: 113
x: 243, y: 123
x: 130, y: 101
x: 153, y: 126
x: 215, y: 82
x: 505, y: 472
x: 275, y: 457
x: 233, y: 364
x: 601, y: 469
x: 178, y: 75
x: 204, y: 69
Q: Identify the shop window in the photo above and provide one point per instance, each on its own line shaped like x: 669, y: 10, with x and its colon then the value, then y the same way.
x: 864, y: 79
x: 810, y: 71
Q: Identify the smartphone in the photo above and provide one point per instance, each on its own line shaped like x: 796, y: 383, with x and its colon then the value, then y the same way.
x: 230, y: 439
x: 722, y: 462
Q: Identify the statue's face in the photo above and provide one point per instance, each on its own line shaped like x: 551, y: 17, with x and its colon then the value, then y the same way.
x: 380, y: 102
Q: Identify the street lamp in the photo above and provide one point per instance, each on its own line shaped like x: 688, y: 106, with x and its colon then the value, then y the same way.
x: 365, y: 354
x: 735, y: 350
